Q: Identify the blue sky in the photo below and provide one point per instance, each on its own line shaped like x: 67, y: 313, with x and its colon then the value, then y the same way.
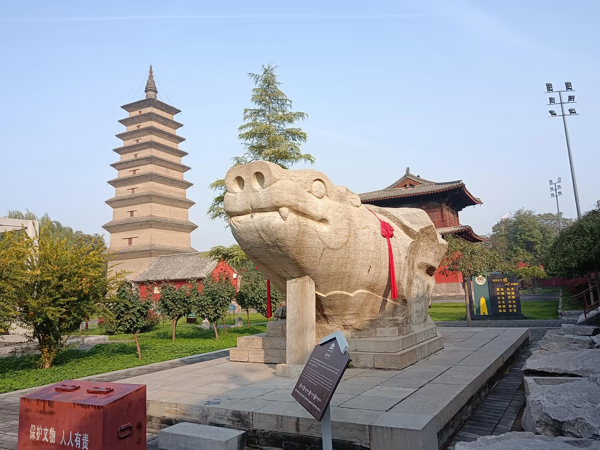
x: 452, y: 88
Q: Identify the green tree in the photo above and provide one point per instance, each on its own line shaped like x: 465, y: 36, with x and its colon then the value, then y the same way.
x: 253, y: 292
x: 232, y: 255
x: 216, y: 296
x: 471, y: 259
x: 267, y: 133
x: 176, y: 302
x: 530, y: 276
x: 129, y: 314
x: 577, y: 249
x: 526, y: 236
x: 53, y: 284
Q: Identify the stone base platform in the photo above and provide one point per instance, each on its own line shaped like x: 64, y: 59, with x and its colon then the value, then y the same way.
x: 381, y: 348
x: 418, y: 408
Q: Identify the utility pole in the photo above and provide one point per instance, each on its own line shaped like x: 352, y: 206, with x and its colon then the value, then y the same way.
x: 572, y: 112
x: 555, y: 191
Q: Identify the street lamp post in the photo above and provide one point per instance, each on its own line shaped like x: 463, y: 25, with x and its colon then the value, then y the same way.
x: 555, y: 191
x: 572, y: 112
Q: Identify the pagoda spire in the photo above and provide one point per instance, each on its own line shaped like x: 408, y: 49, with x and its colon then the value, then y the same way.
x: 151, y: 90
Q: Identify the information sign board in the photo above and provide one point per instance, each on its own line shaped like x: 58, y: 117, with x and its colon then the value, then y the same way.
x: 320, y: 377
x: 504, y: 295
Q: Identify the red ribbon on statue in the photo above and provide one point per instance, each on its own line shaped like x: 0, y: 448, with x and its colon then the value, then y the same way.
x: 268, y: 299
x: 387, y: 231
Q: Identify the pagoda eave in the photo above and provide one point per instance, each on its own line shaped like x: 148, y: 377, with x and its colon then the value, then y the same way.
x: 139, y: 223
x: 122, y: 201
x: 153, y: 145
x: 155, y: 160
x: 150, y: 131
x: 146, y: 251
x: 149, y: 177
x: 150, y: 103
x: 150, y: 117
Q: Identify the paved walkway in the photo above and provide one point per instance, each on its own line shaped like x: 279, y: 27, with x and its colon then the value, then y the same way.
x: 499, y: 411
x: 526, y: 323
x: 495, y: 416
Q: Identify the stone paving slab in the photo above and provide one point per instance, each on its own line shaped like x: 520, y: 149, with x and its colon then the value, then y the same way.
x: 253, y: 398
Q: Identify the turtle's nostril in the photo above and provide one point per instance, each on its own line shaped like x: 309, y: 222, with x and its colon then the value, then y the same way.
x: 239, y: 181
x: 259, y: 180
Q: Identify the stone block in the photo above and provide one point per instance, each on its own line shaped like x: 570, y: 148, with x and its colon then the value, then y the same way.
x: 288, y: 370
x: 407, y: 357
x: 362, y: 360
x: 516, y: 441
x: 238, y: 355
x: 184, y: 436
x: 410, y: 431
x: 561, y: 407
x: 253, y: 342
x: 276, y: 329
x: 383, y: 332
x: 580, y: 363
x: 581, y: 330
x: 266, y: 356
x: 277, y: 343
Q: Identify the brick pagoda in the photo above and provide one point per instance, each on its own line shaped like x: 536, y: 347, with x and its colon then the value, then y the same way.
x: 150, y: 207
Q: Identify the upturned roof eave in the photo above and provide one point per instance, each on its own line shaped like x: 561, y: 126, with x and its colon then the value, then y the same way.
x: 150, y: 131
x: 150, y: 103
x: 144, y: 161
x: 153, y: 145
x: 150, y: 117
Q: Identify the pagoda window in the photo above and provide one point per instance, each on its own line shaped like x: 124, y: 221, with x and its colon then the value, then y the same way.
x: 131, y: 213
x: 130, y: 240
x: 139, y: 126
x: 132, y: 190
x: 137, y: 141
x: 140, y: 111
x: 135, y: 155
x: 134, y: 171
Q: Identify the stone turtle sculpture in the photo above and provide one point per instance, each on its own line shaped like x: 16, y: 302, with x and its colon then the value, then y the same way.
x: 295, y: 223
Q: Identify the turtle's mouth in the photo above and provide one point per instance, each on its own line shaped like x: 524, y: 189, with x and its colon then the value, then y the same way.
x: 283, y: 213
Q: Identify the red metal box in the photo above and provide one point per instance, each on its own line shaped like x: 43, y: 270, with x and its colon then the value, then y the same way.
x: 86, y: 415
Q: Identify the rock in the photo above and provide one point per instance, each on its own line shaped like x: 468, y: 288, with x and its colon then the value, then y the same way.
x: 239, y: 322
x: 528, y: 441
x: 580, y: 330
x: 205, y: 325
x: 596, y: 340
x: 573, y: 339
x: 296, y: 223
x: 562, y: 407
x: 592, y: 317
x: 581, y: 363
x: 558, y: 346
x: 280, y: 313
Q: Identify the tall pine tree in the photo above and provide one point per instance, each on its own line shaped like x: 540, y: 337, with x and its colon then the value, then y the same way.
x: 267, y: 133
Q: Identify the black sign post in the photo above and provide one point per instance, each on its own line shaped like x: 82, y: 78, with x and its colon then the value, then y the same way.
x: 319, y: 379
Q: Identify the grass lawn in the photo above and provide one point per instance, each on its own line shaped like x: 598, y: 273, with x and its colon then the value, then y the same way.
x: 540, y: 291
x: 21, y: 372
x: 456, y: 311
x: 447, y: 311
x: 568, y: 303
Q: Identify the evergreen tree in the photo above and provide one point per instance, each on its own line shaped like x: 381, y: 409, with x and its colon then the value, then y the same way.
x: 267, y: 132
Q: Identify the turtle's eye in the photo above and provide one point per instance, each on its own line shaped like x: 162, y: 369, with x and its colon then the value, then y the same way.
x: 318, y: 189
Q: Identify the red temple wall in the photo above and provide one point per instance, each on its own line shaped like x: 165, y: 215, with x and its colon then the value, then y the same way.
x: 147, y: 287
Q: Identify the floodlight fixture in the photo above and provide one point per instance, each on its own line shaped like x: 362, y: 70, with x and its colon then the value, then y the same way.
x: 572, y: 111
x: 552, y: 113
x: 550, y: 182
x: 558, y: 187
x: 568, y: 86
x: 552, y: 195
x: 552, y: 100
x: 549, y: 87
x: 571, y: 99
x: 558, y: 181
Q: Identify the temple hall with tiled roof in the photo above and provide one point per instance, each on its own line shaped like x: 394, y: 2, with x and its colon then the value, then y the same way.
x: 441, y: 200
x: 150, y: 206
